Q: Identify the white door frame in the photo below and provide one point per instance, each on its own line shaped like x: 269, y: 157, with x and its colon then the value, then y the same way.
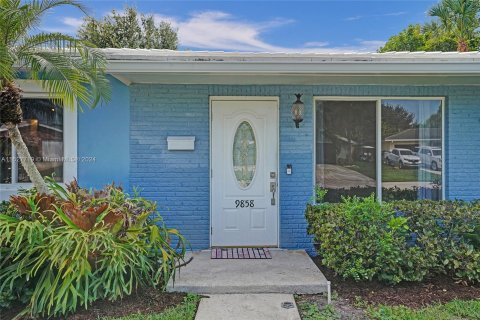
x: 243, y: 98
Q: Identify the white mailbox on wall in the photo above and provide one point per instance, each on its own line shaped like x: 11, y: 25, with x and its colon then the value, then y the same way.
x: 181, y: 143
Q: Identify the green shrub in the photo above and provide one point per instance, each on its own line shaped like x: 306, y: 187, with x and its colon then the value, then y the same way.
x: 397, y: 241
x: 20, y: 293
x: 74, y: 246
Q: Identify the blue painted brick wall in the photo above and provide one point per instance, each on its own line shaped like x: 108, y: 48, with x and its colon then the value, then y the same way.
x: 179, y: 180
x: 103, y: 134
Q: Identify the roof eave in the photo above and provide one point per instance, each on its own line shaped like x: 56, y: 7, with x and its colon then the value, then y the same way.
x: 282, y: 67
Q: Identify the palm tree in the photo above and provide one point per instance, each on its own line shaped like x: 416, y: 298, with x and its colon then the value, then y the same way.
x: 69, y: 70
x: 460, y: 17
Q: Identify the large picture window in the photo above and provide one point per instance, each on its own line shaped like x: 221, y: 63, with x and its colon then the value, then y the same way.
x: 390, y: 147
x: 51, y: 147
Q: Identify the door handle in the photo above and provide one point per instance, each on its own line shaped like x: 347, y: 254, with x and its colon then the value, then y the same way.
x: 273, y: 186
x: 273, y: 189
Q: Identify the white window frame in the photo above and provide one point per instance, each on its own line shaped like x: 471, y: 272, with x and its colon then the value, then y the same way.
x: 31, y: 90
x: 378, y: 100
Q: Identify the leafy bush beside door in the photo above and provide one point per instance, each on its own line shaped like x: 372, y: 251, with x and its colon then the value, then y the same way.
x: 74, y: 246
x: 398, y: 241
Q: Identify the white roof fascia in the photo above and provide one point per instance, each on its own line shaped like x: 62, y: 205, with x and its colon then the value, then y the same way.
x: 150, y: 61
x: 119, y: 66
x: 153, y: 54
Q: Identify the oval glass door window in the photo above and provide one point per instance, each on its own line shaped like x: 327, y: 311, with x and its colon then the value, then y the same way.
x: 244, y: 154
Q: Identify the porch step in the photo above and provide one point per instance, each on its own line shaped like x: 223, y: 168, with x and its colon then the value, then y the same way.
x: 289, y: 271
x: 247, y: 307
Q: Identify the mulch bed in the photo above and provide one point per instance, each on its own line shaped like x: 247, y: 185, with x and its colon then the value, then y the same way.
x: 11, y: 313
x: 146, y: 301
x: 440, y: 289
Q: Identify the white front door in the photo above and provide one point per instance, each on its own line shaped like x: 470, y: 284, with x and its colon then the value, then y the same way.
x: 244, y: 172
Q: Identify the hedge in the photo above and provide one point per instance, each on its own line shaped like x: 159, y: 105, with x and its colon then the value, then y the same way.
x: 398, y: 241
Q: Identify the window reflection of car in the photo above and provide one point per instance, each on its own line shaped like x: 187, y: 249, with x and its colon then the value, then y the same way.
x: 431, y: 156
x: 385, y: 155
x: 402, y: 158
x: 366, y: 153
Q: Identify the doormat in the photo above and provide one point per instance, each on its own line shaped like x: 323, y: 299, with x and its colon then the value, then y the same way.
x: 241, y: 253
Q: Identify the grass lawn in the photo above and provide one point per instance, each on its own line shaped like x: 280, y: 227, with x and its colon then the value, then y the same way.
x: 310, y: 311
x: 184, y: 311
x: 453, y: 310
x: 393, y: 174
x: 456, y: 309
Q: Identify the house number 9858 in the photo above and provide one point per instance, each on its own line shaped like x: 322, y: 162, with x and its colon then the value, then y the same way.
x: 244, y: 203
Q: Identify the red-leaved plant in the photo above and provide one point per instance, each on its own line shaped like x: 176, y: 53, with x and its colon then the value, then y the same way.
x: 74, y: 246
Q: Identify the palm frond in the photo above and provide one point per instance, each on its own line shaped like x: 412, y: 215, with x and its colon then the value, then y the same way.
x: 15, y: 20
x: 442, y: 12
x: 44, y: 5
x: 69, y: 70
x: 46, y: 40
x: 93, y: 63
x: 7, y: 59
x: 69, y: 75
x: 18, y: 19
x: 57, y: 77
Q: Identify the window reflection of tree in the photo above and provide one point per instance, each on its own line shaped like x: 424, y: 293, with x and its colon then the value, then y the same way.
x: 350, y: 123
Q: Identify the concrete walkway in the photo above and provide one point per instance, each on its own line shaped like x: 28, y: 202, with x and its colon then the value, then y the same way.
x: 247, y: 307
x: 237, y: 289
x: 289, y: 271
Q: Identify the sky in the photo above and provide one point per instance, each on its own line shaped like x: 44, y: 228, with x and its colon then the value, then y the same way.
x: 266, y: 26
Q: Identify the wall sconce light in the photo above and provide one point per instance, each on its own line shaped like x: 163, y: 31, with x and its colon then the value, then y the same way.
x: 298, y: 109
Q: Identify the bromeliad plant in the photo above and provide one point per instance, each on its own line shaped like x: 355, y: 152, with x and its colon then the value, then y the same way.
x: 73, y: 246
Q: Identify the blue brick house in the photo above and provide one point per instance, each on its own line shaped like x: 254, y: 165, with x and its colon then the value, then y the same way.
x: 211, y: 136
